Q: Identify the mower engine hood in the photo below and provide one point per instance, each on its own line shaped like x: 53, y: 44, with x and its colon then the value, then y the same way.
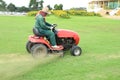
x: 62, y: 33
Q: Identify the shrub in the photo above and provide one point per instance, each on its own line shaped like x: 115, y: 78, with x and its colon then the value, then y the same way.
x: 90, y: 14
x: 97, y: 14
x: 61, y: 13
x: 66, y: 14
x: 82, y: 13
x: 76, y: 12
x: 32, y: 13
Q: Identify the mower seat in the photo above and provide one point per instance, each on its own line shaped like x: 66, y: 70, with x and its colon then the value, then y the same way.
x: 37, y: 33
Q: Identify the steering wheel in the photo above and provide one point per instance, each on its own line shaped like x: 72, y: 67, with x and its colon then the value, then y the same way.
x: 54, y: 25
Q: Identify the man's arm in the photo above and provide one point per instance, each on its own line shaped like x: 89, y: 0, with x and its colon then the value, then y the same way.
x: 48, y: 24
x: 43, y: 24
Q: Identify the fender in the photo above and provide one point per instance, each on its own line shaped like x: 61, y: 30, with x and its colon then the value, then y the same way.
x: 43, y: 40
x: 36, y: 39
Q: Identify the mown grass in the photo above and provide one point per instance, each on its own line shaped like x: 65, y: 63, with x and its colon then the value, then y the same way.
x: 99, y: 42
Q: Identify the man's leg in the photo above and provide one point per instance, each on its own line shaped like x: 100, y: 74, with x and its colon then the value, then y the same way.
x: 51, y: 36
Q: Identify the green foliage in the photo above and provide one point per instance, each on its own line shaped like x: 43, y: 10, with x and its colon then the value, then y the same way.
x: 79, y: 8
x: 22, y: 9
x: 66, y: 14
x: 82, y: 13
x: 50, y: 8
x: 34, y: 4
x: 61, y: 13
x: 92, y: 14
x: 2, y: 5
x: 58, y: 7
x: 11, y: 7
x: 32, y: 13
x: 77, y: 12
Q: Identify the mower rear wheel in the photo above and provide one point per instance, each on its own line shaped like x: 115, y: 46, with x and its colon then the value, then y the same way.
x: 28, y: 46
x: 39, y: 50
x: 76, y: 51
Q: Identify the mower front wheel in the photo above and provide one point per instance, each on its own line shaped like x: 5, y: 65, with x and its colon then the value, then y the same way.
x: 39, y: 50
x: 76, y: 51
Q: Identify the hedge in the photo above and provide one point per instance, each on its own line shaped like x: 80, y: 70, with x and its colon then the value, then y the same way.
x: 66, y: 14
x: 61, y: 13
x: 82, y: 13
x: 32, y: 13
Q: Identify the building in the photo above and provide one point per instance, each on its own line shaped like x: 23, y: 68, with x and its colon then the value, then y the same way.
x: 105, y: 4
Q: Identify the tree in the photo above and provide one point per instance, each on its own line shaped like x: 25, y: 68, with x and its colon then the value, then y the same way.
x: 33, y: 5
x: 61, y: 7
x: 11, y: 7
x: 58, y: 7
x: 2, y: 5
x: 41, y: 4
x: 55, y: 7
x: 36, y: 4
x: 50, y: 8
x: 22, y: 9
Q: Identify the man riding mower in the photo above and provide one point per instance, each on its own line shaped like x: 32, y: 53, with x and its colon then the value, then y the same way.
x: 47, y: 39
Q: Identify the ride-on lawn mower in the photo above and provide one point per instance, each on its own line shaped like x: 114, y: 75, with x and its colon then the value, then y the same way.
x: 38, y: 44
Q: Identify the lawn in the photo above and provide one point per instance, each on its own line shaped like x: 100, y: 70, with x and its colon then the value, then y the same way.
x: 100, y: 43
